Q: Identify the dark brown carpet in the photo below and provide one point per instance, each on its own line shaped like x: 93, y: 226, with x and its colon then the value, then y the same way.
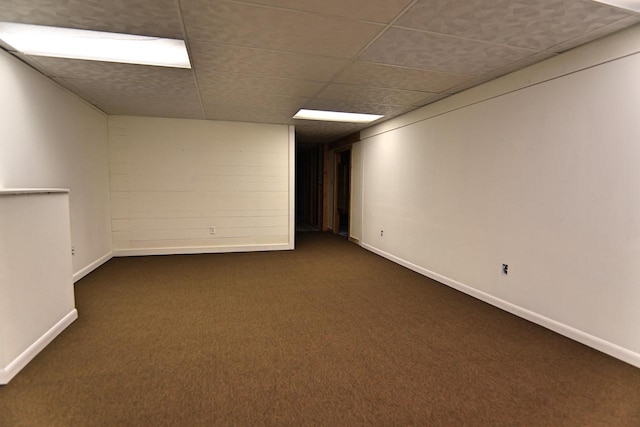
x: 329, y: 334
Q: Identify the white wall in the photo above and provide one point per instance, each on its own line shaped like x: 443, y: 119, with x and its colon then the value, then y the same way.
x: 51, y: 138
x: 172, y: 179
x: 36, y: 297
x: 355, y: 209
x: 539, y: 170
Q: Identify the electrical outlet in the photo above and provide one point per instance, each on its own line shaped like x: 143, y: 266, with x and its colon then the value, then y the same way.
x: 381, y: 232
x: 212, y: 230
x: 73, y: 250
x: 505, y: 269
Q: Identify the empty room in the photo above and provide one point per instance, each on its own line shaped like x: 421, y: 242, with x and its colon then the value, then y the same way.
x: 342, y: 212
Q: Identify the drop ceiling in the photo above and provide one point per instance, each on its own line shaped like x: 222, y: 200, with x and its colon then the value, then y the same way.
x: 263, y: 60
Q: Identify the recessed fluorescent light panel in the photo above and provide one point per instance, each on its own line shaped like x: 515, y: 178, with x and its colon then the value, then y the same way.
x: 632, y: 5
x: 336, y: 116
x: 94, y: 45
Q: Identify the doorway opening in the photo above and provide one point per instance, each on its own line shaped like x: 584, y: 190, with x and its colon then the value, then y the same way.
x: 309, y: 187
x: 342, y: 192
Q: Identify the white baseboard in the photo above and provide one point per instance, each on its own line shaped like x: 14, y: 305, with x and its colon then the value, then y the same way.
x: 200, y: 250
x: 599, y: 344
x: 89, y: 268
x: 10, y: 371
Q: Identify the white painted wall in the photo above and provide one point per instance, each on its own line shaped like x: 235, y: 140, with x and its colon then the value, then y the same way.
x: 51, y: 138
x: 36, y: 284
x: 172, y: 179
x: 539, y: 170
x: 355, y: 210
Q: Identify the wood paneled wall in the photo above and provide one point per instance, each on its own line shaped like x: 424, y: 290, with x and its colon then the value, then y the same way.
x: 172, y: 180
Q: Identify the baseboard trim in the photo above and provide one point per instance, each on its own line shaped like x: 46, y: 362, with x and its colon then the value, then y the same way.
x: 12, y: 369
x: 592, y: 341
x: 200, y: 250
x: 89, y: 268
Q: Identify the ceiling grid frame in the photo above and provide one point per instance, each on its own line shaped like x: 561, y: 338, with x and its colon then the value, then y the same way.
x: 254, y: 69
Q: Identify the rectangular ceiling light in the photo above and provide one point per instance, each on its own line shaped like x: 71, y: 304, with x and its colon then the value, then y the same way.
x: 631, y: 5
x: 94, y: 45
x: 336, y: 116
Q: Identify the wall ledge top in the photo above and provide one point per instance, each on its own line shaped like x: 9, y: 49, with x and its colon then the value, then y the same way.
x: 17, y: 191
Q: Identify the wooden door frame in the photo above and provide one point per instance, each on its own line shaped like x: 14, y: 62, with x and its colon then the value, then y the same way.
x: 341, y: 144
x: 325, y: 189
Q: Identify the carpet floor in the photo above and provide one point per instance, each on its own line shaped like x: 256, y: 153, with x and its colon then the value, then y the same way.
x: 328, y: 334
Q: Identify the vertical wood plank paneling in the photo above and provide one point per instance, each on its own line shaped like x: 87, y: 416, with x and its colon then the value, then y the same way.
x: 173, y: 179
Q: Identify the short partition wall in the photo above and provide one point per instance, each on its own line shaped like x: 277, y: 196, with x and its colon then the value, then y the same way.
x: 36, y: 285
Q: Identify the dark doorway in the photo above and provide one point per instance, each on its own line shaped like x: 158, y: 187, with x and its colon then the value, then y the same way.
x: 309, y: 181
x: 342, y: 192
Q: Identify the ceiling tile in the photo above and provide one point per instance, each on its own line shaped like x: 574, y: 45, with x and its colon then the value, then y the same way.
x: 158, y: 107
x: 394, y: 77
x: 125, y: 88
x: 381, y: 11
x: 469, y: 84
x: 596, y: 34
x: 146, y: 17
x: 531, y: 24
x: 259, y: 101
x: 210, y: 60
x: 140, y: 87
x: 141, y: 103
x: 248, y: 113
x: 231, y: 83
x: 136, y: 92
x: 374, y: 95
x: 268, y: 28
x: 434, y: 52
x: 110, y: 71
x: 522, y: 63
x: 530, y: 60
